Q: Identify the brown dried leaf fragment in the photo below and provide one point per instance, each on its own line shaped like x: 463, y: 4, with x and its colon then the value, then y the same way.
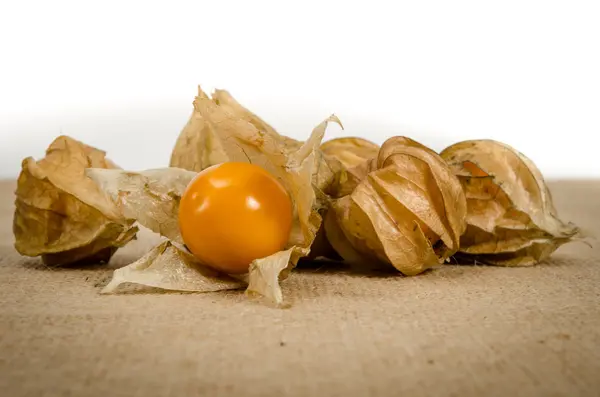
x: 408, y: 211
x: 511, y: 219
x: 60, y: 214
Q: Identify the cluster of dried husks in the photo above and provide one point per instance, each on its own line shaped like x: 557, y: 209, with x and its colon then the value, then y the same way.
x: 400, y: 205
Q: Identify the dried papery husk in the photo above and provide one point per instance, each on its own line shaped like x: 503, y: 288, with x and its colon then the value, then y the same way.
x: 321, y: 248
x: 347, y: 179
x: 349, y: 159
x: 265, y: 274
x: 170, y: 267
x: 224, y: 99
x: 152, y: 197
x: 204, y: 141
x: 233, y: 138
x: 60, y: 214
x: 408, y: 211
x: 511, y: 219
x: 149, y: 197
x: 350, y: 151
x: 197, y: 147
x: 199, y: 144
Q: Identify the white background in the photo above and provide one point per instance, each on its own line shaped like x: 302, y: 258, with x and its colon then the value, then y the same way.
x: 121, y: 75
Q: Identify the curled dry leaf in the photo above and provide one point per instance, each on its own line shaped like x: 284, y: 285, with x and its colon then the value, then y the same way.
x: 264, y: 276
x: 60, y: 214
x: 408, y: 211
x: 511, y: 219
x: 221, y: 130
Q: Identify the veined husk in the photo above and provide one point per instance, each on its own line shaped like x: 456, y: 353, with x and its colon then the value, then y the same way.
x: 350, y: 151
x: 169, y: 266
x: 511, y: 219
x: 408, y: 210
x: 224, y: 99
x: 204, y: 141
x: 215, y: 134
x: 152, y: 198
x: 60, y: 214
x: 347, y: 158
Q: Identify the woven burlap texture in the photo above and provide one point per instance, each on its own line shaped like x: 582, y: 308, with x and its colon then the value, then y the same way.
x: 458, y: 331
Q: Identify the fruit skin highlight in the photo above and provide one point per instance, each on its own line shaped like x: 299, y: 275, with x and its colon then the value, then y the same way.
x: 233, y: 213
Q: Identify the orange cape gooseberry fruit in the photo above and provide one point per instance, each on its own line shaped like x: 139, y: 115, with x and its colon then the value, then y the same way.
x: 233, y: 213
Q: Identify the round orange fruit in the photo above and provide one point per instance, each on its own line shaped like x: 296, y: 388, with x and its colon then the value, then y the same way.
x: 233, y: 213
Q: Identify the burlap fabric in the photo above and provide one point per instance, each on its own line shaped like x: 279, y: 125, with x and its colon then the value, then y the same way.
x: 459, y: 331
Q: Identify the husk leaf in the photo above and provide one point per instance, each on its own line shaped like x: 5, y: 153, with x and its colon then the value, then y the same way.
x: 347, y: 179
x: 60, y: 214
x: 169, y: 267
x: 350, y: 160
x: 511, y: 218
x: 350, y: 151
x: 408, y: 211
x: 220, y: 129
x: 150, y: 197
x: 265, y: 274
x: 224, y: 99
x: 215, y: 134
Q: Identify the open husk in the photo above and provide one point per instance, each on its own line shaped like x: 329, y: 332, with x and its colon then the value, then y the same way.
x: 511, y: 219
x: 219, y: 123
x: 152, y: 199
x: 149, y: 197
x: 407, y: 210
x: 170, y: 267
x: 60, y: 214
x: 218, y: 133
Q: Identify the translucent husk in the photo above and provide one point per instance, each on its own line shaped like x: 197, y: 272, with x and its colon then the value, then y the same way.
x: 149, y: 197
x: 170, y: 267
x: 405, y: 208
x: 205, y: 141
x: 221, y: 130
x: 60, y: 214
x: 511, y: 219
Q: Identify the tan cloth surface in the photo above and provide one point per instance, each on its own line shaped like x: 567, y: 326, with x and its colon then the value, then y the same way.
x: 458, y: 331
